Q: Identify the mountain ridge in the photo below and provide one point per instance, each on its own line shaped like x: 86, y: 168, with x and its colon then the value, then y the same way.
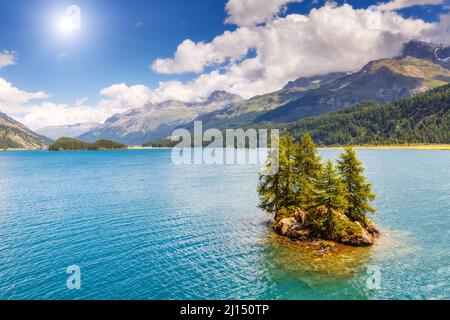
x: 437, y: 53
x: 136, y: 126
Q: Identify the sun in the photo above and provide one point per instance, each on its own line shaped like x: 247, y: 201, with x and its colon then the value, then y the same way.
x: 65, y: 25
x: 70, y: 22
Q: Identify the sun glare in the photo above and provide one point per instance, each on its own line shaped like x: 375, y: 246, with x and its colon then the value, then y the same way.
x: 70, y: 22
x: 65, y: 25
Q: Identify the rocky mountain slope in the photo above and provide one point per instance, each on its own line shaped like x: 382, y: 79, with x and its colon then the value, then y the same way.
x: 14, y: 135
x: 314, y: 81
x: 382, y: 81
x: 429, y: 51
x: 137, y: 126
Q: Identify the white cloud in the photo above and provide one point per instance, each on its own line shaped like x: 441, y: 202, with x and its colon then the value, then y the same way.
x: 401, y: 4
x: 121, y: 96
x: 7, y: 58
x: 329, y: 39
x: 440, y: 34
x: 12, y: 99
x: 51, y: 114
x: 194, y: 57
x: 252, y: 12
x: 117, y: 98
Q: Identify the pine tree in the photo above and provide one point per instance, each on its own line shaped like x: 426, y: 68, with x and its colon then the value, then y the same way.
x: 307, y: 168
x: 331, y: 191
x: 358, y: 191
x: 275, y: 184
x: 269, y: 190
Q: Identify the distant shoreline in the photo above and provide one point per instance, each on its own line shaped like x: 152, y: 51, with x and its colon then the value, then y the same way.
x: 442, y: 147
x: 398, y: 147
x: 129, y: 148
x: 148, y: 148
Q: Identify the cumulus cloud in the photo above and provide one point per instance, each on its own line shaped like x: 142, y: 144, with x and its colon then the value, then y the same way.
x: 7, y: 58
x: 51, y: 114
x: 117, y: 98
x: 440, y: 34
x: 401, y: 4
x: 329, y: 39
x: 12, y: 99
x: 194, y: 57
x: 121, y: 96
x: 252, y: 12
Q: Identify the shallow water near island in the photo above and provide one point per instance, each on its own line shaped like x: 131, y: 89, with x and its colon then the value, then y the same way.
x: 140, y: 227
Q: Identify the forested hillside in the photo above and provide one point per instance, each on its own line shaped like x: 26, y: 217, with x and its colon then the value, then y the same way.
x: 422, y: 119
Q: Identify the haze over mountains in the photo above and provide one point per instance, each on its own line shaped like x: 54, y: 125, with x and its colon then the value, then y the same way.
x: 70, y: 131
x: 420, y: 67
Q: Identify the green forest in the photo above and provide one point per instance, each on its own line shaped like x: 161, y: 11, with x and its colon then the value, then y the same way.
x: 421, y: 119
x: 69, y: 144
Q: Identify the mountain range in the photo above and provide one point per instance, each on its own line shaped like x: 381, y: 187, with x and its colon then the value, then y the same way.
x: 137, y: 126
x: 420, y: 67
x: 416, y: 70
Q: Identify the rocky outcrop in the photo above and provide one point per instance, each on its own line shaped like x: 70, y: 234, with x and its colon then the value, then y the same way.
x: 291, y: 228
x: 352, y: 233
x: 321, y: 223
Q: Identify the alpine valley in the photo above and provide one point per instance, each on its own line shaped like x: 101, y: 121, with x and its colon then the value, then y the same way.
x: 420, y: 67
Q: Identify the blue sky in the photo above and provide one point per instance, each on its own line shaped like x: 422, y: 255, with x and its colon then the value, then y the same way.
x: 119, y: 40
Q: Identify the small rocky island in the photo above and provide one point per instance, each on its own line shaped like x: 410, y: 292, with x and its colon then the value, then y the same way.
x: 70, y: 144
x: 314, y: 201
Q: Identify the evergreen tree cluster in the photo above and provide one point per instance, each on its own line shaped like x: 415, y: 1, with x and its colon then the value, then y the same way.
x: 69, y: 144
x: 303, y: 182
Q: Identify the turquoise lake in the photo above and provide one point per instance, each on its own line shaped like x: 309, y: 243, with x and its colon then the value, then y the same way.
x: 140, y: 227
